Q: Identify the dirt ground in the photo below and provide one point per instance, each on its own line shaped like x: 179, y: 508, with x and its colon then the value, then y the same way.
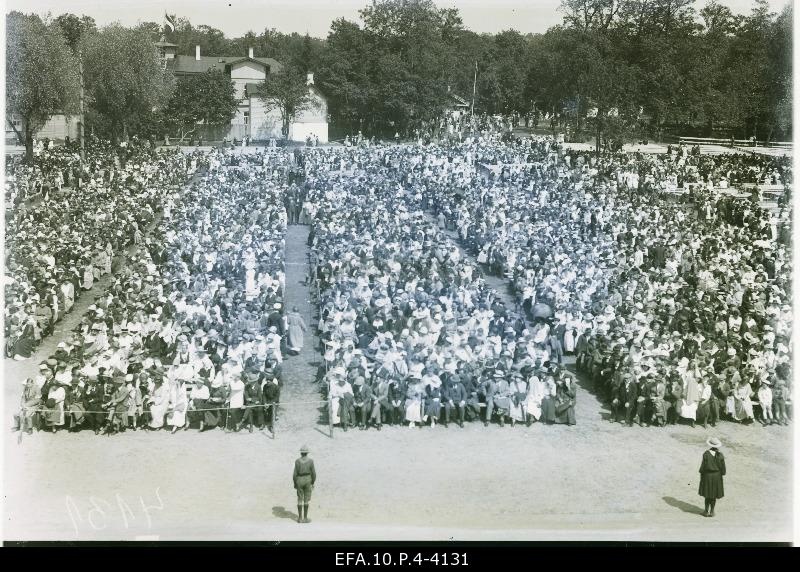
x: 594, y: 481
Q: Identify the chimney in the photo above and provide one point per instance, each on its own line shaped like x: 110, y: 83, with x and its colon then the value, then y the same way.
x: 250, y: 53
x: 197, y: 53
x: 309, y: 79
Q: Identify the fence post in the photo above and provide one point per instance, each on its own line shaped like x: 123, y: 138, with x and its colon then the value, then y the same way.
x: 330, y: 416
x: 272, y: 415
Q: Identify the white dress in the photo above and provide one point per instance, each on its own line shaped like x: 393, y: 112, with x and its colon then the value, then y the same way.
x: 250, y: 286
x: 88, y: 278
x: 237, y: 394
x: 536, y: 392
x: 569, y: 337
x: 414, y: 404
x: 178, y: 403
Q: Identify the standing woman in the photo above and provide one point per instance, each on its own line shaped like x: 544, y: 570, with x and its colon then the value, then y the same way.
x: 296, y: 328
x: 712, y: 470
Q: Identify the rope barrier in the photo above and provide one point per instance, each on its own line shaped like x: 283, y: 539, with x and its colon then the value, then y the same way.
x: 66, y: 408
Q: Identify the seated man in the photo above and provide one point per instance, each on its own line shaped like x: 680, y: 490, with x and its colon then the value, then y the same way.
x: 253, y: 400
x: 342, y: 400
x: 455, y: 398
x: 397, y: 396
x: 363, y: 401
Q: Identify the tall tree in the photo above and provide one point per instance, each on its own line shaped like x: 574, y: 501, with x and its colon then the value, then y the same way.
x: 287, y: 92
x: 208, y: 99
x: 124, y: 77
x: 74, y: 28
x: 41, y: 75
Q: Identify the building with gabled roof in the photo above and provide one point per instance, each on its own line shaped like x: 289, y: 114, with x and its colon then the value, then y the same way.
x: 253, y: 118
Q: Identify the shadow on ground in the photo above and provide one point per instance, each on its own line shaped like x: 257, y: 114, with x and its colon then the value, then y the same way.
x: 683, y: 506
x: 281, y: 512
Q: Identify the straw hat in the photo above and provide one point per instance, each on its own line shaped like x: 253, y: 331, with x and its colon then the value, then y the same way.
x: 304, y: 449
x: 714, y: 443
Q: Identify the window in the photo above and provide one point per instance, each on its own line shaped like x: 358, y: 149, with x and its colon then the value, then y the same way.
x: 247, y: 118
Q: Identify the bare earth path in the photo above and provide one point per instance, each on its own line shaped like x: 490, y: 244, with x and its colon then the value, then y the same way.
x: 300, y: 410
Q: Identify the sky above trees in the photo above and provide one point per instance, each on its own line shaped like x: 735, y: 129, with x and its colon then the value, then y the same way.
x: 314, y: 16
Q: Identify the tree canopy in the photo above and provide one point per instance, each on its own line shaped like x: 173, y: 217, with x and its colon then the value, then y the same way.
x: 628, y: 66
x: 123, y: 76
x: 208, y: 98
x: 41, y: 75
x: 287, y: 92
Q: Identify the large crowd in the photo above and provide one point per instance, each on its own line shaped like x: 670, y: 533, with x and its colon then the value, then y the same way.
x: 675, y: 309
x: 190, y: 330
x: 64, y: 230
x: 676, y: 305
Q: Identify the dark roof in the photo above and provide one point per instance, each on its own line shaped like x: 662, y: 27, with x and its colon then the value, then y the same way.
x: 188, y: 64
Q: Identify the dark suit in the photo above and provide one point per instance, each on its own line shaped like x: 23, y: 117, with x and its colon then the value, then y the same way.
x: 628, y: 393
x: 363, y: 400
x: 455, y: 397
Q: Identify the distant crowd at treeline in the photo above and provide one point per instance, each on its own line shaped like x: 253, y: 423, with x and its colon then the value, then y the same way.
x: 631, y: 67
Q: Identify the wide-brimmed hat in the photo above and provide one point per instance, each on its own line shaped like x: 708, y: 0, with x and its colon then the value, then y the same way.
x: 714, y: 442
x: 304, y: 449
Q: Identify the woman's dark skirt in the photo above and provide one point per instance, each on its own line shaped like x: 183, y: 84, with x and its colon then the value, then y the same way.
x: 711, y: 486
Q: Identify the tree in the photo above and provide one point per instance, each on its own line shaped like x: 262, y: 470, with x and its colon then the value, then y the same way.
x: 287, y: 92
x: 343, y: 74
x: 124, y: 77
x: 75, y: 28
x: 41, y: 78
x: 208, y: 98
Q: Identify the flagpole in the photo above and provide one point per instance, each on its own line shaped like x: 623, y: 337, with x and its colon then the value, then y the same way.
x: 474, y: 86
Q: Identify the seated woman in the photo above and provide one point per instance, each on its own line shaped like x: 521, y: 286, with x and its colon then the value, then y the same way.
x: 549, y: 400
x: 739, y: 405
x: 534, y: 399
x: 54, y: 412
x: 159, y: 402
x: 413, y: 404
x: 565, y: 401
x: 29, y: 410
x: 218, y: 395
x: 519, y: 395
x: 75, y: 401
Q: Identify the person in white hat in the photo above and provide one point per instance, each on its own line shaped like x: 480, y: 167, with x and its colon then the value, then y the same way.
x: 712, y: 470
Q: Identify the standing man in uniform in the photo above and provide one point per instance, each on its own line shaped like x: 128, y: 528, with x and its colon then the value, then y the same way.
x: 304, y: 478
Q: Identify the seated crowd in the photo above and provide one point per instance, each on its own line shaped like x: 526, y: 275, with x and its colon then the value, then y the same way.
x: 676, y: 306
x: 411, y: 332
x: 63, y: 237
x: 675, y: 310
x: 190, y: 332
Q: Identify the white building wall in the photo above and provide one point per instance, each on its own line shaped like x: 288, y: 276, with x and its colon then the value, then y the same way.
x: 56, y: 128
x: 264, y: 123
x: 312, y: 121
x: 244, y: 73
x: 301, y: 131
